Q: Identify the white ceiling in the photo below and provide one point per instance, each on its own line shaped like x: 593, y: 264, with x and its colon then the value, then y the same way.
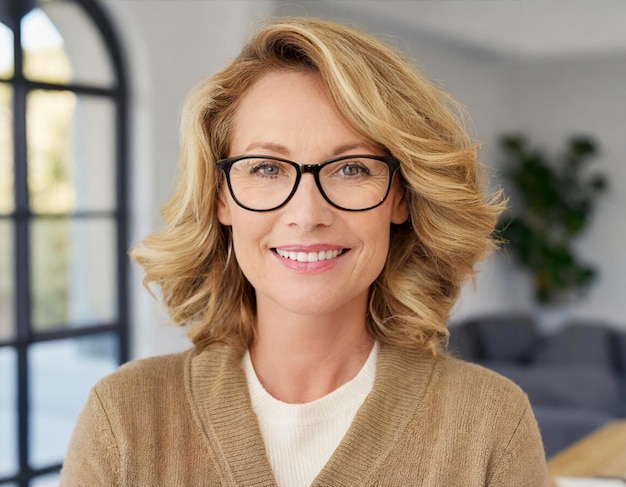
x: 522, y: 27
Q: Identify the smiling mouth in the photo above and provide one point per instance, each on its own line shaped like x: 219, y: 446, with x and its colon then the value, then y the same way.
x: 310, y: 256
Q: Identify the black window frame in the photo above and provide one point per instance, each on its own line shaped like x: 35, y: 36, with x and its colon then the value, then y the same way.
x: 24, y: 334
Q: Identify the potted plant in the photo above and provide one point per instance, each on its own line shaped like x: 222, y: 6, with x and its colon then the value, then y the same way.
x: 551, y: 203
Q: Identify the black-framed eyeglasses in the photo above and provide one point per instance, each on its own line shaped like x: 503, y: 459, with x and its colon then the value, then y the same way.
x: 351, y: 183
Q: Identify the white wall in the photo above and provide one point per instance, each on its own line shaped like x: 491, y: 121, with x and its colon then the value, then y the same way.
x: 172, y: 44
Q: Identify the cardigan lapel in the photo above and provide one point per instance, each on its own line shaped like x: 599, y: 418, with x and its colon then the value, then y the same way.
x: 402, y: 378
x: 219, y: 394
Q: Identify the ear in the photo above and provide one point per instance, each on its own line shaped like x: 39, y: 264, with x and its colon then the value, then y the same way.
x: 400, y: 206
x: 223, y: 209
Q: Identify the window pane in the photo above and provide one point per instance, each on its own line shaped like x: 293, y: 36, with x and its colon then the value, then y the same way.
x: 60, y: 44
x: 7, y: 314
x: 50, y: 116
x: 73, y: 272
x: 45, y: 57
x: 71, y: 152
x: 6, y: 53
x: 8, y: 417
x: 6, y: 149
x: 61, y: 374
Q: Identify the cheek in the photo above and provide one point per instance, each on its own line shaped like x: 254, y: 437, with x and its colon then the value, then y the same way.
x: 243, y: 233
x: 376, y: 245
x: 250, y: 231
x: 382, y: 249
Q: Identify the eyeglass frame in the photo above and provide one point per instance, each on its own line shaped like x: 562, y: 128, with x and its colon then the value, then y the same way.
x: 392, y: 163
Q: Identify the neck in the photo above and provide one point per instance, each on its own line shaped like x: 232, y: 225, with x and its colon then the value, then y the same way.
x: 301, y: 358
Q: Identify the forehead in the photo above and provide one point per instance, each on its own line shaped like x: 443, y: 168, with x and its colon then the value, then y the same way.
x: 291, y: 109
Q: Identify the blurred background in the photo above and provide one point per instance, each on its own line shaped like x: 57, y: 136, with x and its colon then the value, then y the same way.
x: 90, y: 98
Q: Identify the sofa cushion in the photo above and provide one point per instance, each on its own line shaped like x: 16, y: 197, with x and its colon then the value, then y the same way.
x: 560, y: 427
x: 509, y: 337
x: 571, y: 385
x: 580, y: 344
x: 619, y: 344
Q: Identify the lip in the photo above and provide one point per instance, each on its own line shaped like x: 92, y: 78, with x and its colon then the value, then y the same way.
x: 309, y: 248
x: 310, y: 267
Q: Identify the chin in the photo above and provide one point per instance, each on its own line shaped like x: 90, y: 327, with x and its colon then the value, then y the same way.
x: 321, y: 305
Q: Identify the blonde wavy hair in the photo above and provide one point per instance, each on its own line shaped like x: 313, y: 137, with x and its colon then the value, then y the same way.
x: 384, y: 97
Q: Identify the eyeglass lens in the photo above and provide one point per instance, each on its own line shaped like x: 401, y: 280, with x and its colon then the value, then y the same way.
x: 353, y: 183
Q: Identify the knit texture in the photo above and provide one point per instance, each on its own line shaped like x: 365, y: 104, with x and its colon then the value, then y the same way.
x: 187, y: 420
x: 300, y: 438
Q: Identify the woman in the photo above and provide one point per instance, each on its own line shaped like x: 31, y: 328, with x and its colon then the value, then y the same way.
x: 328, y: 211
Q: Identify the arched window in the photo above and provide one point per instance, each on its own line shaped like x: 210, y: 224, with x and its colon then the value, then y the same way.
x: 63, y: 225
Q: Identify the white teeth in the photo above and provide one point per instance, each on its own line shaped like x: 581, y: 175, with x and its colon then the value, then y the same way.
x: 309, y: 256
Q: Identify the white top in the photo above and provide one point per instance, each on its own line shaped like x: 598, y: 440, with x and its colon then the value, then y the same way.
x: 300, y: 438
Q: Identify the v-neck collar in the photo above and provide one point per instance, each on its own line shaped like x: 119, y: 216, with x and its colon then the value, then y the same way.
x: 219, y: 397
x: 217, y: 390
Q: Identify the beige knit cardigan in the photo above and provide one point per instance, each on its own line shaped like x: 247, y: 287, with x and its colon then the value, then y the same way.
x: 186, y: 420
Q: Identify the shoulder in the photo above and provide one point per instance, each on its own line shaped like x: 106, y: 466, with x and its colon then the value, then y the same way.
x: 475, y: 418
x: 448, y: 375
x: 450, y: 387
x: 494, y: 410
x: 466, y: 376
x: 498, y: 415
x: 492, y: 404
x: 471, y: 387
x: 146, y: 375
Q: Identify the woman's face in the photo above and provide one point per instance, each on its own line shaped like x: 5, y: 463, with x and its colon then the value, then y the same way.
x: 288, y: 114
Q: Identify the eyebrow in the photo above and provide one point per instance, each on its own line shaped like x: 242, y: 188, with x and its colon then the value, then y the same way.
x: 271, y: 146
x: 284, y: 151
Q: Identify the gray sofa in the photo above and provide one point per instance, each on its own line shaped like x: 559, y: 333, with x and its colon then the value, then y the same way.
x: 575, y: 378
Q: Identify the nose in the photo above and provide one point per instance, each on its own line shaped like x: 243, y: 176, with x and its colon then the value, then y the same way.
x: 307, y: 208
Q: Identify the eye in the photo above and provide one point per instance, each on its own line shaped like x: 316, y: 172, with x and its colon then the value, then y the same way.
x: 266, y: 168
x: 353, y: 168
